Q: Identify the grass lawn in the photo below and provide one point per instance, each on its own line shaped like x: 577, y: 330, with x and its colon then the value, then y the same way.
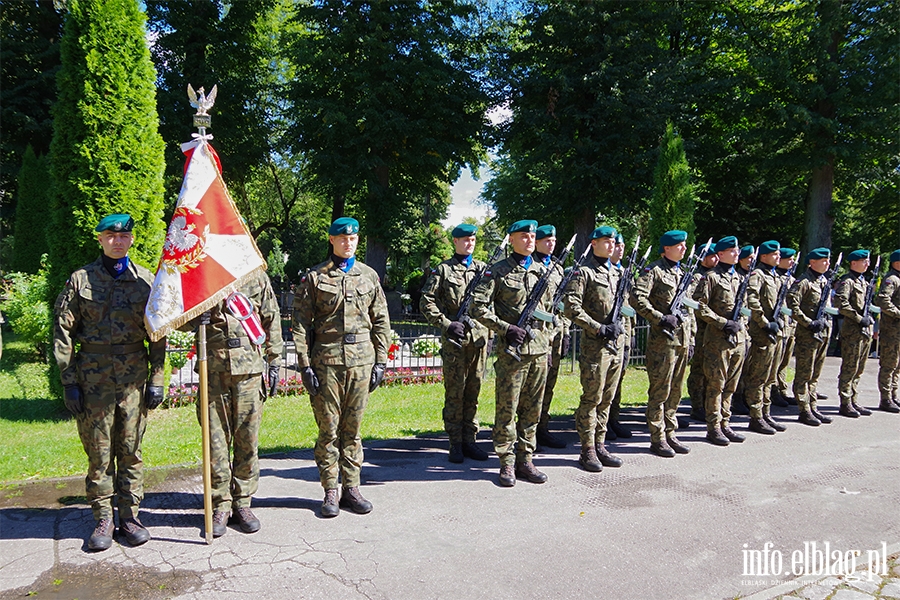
x: 40, y: 438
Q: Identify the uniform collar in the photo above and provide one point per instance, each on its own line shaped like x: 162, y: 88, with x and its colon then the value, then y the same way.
x: 463, y: 259
x: 542, y: 258
x: 522, y: 261
x: 343, y: 264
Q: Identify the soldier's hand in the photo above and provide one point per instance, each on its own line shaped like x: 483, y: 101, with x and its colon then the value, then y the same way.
x: 515, y: 335
x: 456, y: 330
x: 566, y: 344
x: 866, y: 321
x: 377, y: 376
x: 273, y: 379
x: 669, y: 322
x: 74, y: 399
x: 732, y: 327
x: 817, y: 325
x: 153, y: 396
x: 310, y: 381
x: 772, y: 327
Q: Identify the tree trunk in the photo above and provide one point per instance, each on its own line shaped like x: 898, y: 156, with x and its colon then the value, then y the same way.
x: 819, y: 219
x: 337, y: 211
x: 376, y: 256
x: 585, y: 222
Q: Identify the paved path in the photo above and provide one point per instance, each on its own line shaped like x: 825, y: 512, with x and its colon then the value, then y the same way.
x: 656, y: 528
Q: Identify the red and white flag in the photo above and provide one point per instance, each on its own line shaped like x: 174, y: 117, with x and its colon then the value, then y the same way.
x: 208, y: 252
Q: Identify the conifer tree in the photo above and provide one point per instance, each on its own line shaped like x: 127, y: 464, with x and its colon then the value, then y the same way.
x: 29, y: 241
x: 672, y: 204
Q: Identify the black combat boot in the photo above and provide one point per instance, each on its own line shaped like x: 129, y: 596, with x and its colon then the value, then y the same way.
x: 847, y: 410
x: 714, y: 436
x: 607, y: 459
x: 767, y: 417
x: 588, y: 459
x: 134, y: 531
x: 220, y: 523
x: 738, y: 405
x: 246, y: 520
x: 619, y: 429
x: 815, y: 412
x: 471, y: 450
x: 760, y: 426
x: 101, y: 538
x: 732, y: 435
x: 677, y: 446
x: 352, y: 499
x: 330, y: 504
x: 777, y: 399
x: 507, y: 477
x: 456, y: 453
x: 821, y: 396
x: 529, y: 472
x: 662, y: 448
x: 888, y: 406
x: 862, y: 410
x: 807, y: 418
x: 548, y: 440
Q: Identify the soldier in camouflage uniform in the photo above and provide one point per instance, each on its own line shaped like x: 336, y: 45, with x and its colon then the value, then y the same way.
x: 780, y: 391
x: 238, y: 371
x: 856, y: 331
x: 463, y: 343
x: 342, y: 334
x: 696, y: 381
x: 589, y: 303
x: 560, y: 338
x: 666, y: 357
x: 765, y: 338
x: 888, y: 300
x: 723, y: 340
x: 108, y: 385
x: 738, y: 400
x: 615, y: 429
x: 812, y: 335
x: 499, y: 301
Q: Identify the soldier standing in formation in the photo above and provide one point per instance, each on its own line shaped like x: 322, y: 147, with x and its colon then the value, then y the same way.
x: 696, y: 381
x: 463, y: 344
x: 238, y: 369
x: 342, y: 333
x: 780, y: 391
x: 766, y: 338
x: 108, y: 385
x: 812, y: 335
x: 560, y: 339
x: 666, y: 356
x: 888, y: 300
x: 589, y: 303
x: 856, y: 331
x: 723, y: 340
x: 499, y: 301
x: 615, y: 429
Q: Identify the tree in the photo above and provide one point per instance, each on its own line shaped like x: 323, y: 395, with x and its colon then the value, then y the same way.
x: 107, y: 156
x: 672, y: 204
x: 384, y: 106
x: 31, y: 223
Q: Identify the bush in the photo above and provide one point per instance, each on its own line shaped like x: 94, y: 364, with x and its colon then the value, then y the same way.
x: 426, y: 346
x: 179, y: 347
x: 27, y: 309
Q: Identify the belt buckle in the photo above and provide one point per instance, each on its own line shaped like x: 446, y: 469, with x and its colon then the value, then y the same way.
x: 349, y: 338
x: 233, y: 342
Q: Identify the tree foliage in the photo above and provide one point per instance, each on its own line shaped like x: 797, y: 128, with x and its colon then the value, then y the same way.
x: 33, y: 195
x: 672, y: 203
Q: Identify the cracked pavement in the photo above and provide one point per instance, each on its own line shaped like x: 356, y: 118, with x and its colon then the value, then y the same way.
x: 654, y: 528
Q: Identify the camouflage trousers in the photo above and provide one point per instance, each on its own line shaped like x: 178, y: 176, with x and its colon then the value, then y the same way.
x: 111, y: 429
x: 696, y: 381
x: 888, y: 359
x: 666, y: 364
x: 722, y: 365
x: 762, y: 370
x: 463, y: 370
x: 338, y: 409
x: 786, y: 353
x: 520, y: 390
x: 741, y: 388
x: 235, y: 413
x: 809, y: 356
x: 624, y: 358
x: 854, y: 353
x: 599, y: 379
x: 555, y: 358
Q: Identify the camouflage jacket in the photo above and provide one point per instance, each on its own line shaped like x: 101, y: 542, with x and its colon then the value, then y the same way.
x: 589, y: 301
x: 443, y: 293
x: 762, y: 295
x: 341, y: 318
x: 717, y: 295
x: 652, y: 295
x: 101, y: 312
x: 562, y: 326
x: 789, y: 325
x: 850, y: 299
x: 888, y: 297
x: 803, y: 299
x: 501, y: 297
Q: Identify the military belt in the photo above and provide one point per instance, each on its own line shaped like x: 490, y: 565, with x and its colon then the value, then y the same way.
x: 112, y: 348
x: 347, y: 338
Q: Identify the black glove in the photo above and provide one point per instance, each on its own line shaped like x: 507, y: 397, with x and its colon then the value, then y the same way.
x: 74, y: 399
x: 670, y: 322
x: 866, y: 321
x: 515, y: 336
x: 611, y: 331
x: 377, y: 376
x: 310, y: 381
x: 153, y: 396
x: 456, y: 330
x: 732, y: 327
x: 772, y: 327
x: 817, y: 325
x: 566, y: 344
x: 690, y: 352
x: 273, y: 379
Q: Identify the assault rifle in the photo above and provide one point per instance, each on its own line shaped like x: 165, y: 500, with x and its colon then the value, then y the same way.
x: 868, y: 309
x: 561, y: 290
x: 739, y: 310
x: 626, y: 282
x: 531, y: 312
x: 462, y: 315
x: 823, y: 307
x: 684, y: 285
x: 779, y: 308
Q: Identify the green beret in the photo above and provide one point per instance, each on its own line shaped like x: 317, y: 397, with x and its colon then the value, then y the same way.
x: 858, y: 255
x: 769, y: 247
x: 895, y: 256
x: 604, y: 232
x: 620, y: 239
x: 344, y: 226
x: 115, y: 223
x: 726, y: 243
x: 818, y: 253
x: 545, y: 231
x: 464, y: 230
x: 672, y: 238
x: 525, y: 226
x: 746, y: 251
x: 788, y: 252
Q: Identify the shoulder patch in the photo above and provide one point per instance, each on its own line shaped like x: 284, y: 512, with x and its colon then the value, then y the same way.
x: 487, y: 273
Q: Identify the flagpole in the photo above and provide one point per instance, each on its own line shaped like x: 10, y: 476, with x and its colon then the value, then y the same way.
x: 204, y: 428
